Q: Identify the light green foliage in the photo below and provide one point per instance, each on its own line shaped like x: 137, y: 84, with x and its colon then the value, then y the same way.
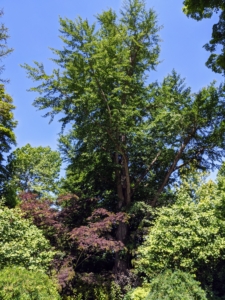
x: 17, y: 283
x: 140, y: 293
x: 34, y: 169
x: 22, y: 243
x: 187, y: 236
x: 177, y: 285
x: 199, y: 9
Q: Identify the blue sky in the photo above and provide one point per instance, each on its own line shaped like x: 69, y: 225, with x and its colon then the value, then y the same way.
x: 33, y: 27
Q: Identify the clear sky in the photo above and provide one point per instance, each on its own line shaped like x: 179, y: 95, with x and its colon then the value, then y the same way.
x: 33, y: 28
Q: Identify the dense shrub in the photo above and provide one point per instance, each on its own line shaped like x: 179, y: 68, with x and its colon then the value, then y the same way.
x: 187, y: 236
x: 169, y: 286
x: 22, y: 243
x: 17, y: 283
x: 177, y: 285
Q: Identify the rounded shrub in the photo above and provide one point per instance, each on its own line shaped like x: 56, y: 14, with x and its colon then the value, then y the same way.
x: 22, y: 243
x: 175, y: 285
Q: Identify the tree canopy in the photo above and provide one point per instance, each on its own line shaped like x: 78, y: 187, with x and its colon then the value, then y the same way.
x: 7, y: 136
x: 4, y: 49
x: 204, y: 9
x: 34, y: 169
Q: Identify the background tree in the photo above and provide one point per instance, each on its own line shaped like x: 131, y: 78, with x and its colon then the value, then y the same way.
x: 7, y: 136
x: 34, y: 169
x: 199, y: 9
x: 4, y: 49
x: 7, y: 122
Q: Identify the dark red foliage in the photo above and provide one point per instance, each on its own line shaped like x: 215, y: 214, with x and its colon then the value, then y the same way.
x: 74, y: 210
x: 65, y: 270
x: 79, y: 231
x: 97, y: 235
x: 44, y: 215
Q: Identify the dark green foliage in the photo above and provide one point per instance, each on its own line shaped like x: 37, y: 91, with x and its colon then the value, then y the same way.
x: 7, y: 122
x: 17, y: 283
x: 7, y: 136
x: 199, y: 9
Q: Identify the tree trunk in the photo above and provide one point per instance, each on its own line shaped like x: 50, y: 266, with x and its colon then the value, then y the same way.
x: 121, y: 264
x: 124, y: 195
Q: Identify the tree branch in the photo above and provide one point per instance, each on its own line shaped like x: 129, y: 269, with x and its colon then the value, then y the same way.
x: 145, y: 173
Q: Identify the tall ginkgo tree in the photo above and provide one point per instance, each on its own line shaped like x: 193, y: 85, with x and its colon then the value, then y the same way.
x: 128, y: 137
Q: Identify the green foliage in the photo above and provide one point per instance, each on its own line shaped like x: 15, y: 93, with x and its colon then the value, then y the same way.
x: 188, y: 236
x: 4, y: 50
x: 169, y: 286
x: 22, y: 243
x: 184, y: 236
x: 7, y: 125
x: 97, y: 292
x: 199, y: 9
x: 175, y: 285
x: 17, y: 283
x: 127, y: 136
x: 138, y: 293
x: 34, y: 169
x: 127, y: 145
x: 101, y: 91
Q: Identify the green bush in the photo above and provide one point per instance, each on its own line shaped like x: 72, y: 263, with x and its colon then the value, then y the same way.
x: 187, y: 236
x: 22, y: 243
x: 169, y: 286
x: 177, y: 285
x: 17, y: 283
